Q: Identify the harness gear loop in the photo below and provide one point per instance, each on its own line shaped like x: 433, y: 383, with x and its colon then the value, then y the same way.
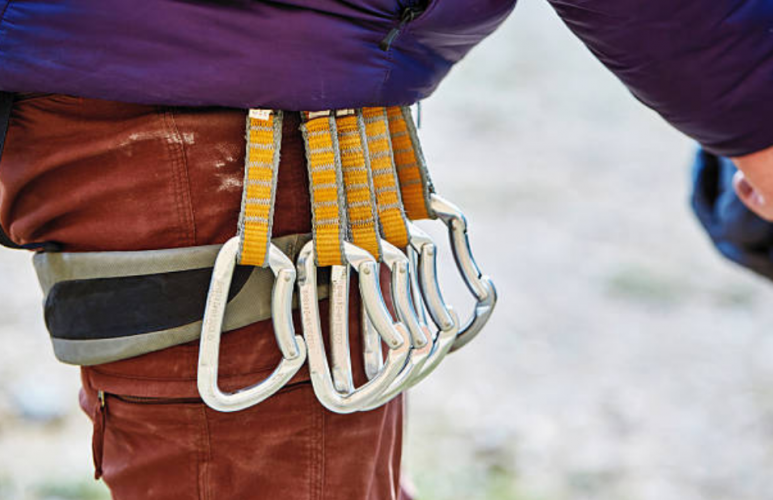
x: 320, y: 133
x: 252, y: 246
x: 422, y: 202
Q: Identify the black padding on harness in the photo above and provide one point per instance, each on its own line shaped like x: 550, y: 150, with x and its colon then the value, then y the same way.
x: 108, y: 308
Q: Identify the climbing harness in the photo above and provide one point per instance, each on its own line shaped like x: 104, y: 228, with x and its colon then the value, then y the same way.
x: 368, y: 183
x: 101, y: 307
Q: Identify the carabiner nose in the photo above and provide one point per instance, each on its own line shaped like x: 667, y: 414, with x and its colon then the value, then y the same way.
x: 292, y: 346
x: 421, y: 346
x: 480, y: 285
x: 424, y: 279
x: 393, y: 334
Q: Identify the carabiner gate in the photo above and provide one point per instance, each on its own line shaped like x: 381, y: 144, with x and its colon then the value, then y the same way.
x: 394, y: 334
x: 480, y: 285
x: 292, y: 346
x: 421, y: 345
x: 425, y: 285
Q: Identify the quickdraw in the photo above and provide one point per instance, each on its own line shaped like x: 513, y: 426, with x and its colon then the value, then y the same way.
x: 252, y: 246
x: 330, y: 192
x: 368, y: 183
x: 422, y: 202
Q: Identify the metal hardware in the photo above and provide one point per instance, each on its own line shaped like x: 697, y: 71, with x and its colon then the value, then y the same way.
x: 421, y: 345
x: 480, y: 285
x: 372, y: 354
x: 423, y: 254
x: 340, y: 353
x: 393, y: 334
x: 292, y: 346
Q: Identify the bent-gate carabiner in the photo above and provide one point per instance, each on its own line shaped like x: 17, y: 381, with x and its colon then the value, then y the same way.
x: 340, y: 353
x: 421, y: 341
x: 292, y: 346
x: 424, y: 279
x: 394, y: 334
x: 480, y: 285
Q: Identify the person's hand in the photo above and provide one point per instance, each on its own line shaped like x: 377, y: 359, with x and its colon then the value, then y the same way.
x: 754, y: 182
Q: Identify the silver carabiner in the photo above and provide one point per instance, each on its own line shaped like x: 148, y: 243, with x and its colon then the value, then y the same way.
x: 394, y: 334
x: 480, y: 285
x: 292, y: 346
x: 426, y: 289
x: 340, y: 353
x: 421, y: 341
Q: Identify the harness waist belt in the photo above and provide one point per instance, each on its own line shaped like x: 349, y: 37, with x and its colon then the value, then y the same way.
x: 107, y: 306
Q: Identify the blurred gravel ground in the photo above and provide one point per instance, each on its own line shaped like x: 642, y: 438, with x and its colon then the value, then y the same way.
x: 626, y: 361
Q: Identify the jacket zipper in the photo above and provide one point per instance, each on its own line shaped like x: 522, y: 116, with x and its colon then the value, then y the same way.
x: 408, y: 14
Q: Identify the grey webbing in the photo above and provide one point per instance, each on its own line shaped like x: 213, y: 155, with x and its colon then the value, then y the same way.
x: 261, y: 171
x: 250, y: 305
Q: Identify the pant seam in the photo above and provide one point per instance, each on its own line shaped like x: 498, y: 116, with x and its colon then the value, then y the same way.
x: 204, y: 461
x: 176, y: 145
x: 323, y: 461
x: 317, y: 465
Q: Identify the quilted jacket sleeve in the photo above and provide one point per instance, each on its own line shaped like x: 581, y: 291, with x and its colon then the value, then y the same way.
x: 705, y: 65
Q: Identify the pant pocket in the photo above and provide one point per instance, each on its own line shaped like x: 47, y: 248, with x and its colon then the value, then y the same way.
x: 150, y: 448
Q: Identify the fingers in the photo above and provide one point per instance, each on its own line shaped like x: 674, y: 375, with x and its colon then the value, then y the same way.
x: 752, y: 197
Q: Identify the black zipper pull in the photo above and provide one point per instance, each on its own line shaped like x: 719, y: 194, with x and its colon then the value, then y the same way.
x: 408, y: 15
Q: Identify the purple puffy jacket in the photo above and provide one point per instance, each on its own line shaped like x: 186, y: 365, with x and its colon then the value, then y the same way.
x: 705, y: 65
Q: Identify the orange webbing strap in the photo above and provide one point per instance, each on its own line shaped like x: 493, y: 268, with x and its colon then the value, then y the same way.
x: 325, y: 186
x: 415, y: 184
x: 261, y: 167
x: 389, y: 203
x: 360, y: 200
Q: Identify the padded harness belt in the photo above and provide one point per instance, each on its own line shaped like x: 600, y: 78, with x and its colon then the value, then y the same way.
x: 106, y: 306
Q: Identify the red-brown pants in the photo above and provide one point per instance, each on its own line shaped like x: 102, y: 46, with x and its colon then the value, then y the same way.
x: 98, y: 175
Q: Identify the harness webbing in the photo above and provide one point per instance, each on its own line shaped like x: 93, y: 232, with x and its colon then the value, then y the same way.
x: 325, y: 186
x: 388, y: 200
x: 415, y: 184
x: 358, y: 185
x: 261, y: 168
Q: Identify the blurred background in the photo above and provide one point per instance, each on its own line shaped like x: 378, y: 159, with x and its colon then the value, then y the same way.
x: 625, y: 361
